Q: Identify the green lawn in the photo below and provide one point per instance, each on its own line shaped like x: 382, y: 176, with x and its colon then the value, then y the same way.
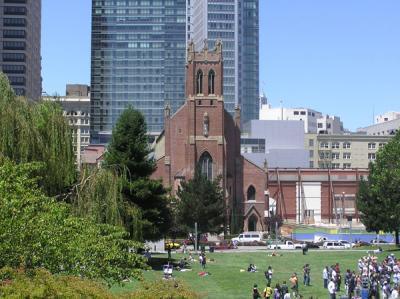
x: 226, y: 280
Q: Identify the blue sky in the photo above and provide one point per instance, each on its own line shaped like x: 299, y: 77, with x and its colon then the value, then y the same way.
x: 340, y: 57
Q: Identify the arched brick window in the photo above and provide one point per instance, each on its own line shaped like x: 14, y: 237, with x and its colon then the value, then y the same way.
x: 206, y: 167
x: 199, y: 82
x: 211, y: 82
x: 251, y: 193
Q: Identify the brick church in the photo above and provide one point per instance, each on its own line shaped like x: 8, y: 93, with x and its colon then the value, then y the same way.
x: 202, y: 133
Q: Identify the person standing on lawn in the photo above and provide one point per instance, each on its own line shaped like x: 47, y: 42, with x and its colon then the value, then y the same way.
x: 256, y: 292
x: 332, y: 289
x: 294, y: 284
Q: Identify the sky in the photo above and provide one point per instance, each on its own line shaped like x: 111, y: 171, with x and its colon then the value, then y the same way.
x: 338, y: 57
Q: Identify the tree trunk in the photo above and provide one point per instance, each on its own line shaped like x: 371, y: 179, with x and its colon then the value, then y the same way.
x: 396, y: 233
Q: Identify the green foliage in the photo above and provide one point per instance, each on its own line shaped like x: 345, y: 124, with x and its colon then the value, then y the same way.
x: 129, y: 149
x: 146, y: 214
x: 39, y: 283
x: 151, y: 198
x: 98, y: 195
x: 37, y: 132
x: 202, y: 201
x: 36, y: 231
x: 379, y: 198
x: 164, y: 290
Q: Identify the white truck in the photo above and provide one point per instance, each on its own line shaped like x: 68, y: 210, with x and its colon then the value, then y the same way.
x: 285, y: 245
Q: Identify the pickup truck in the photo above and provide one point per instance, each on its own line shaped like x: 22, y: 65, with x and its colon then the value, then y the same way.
x: 285, y: 245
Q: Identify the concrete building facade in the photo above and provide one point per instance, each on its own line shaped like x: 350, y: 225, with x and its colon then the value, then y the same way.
x: 343, y: 150
x: 279, y: 143
x: 388, y: 116
x: 386, y: 128
x: 308, y: 116
x: 76, y: 109
x: 20, y: 26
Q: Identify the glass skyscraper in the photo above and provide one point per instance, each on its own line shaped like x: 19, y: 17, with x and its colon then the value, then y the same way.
x: 20, y: 46
x: 235, y: 22
x: 138, y: 59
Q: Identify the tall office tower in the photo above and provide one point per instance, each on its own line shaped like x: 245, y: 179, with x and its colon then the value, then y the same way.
x: 138, y: 59
x: 235, y: 22
x: 20, y: 45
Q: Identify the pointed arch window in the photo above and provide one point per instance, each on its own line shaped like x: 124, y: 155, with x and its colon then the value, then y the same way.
x: 206, y: 165
x: 211, y: 82
x: 251, y: 193
x: 199, y: 82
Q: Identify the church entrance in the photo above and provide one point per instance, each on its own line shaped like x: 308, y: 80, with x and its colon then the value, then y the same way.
x: 252, y: 223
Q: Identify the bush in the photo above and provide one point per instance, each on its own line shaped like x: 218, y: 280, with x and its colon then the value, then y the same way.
x: 164, y: 290
x: 39, y: 283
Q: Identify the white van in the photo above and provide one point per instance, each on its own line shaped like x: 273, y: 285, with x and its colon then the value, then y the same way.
x: 248, y: 237
x: 333, y: 245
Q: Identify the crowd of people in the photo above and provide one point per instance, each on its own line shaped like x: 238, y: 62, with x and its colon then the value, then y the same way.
x: 372, y: 280
x: 378, y: 280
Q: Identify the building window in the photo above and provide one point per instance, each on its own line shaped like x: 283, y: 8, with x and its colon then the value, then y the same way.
x: 311, y: 154
x: 346, y: 156
x: 335, y: 145
x: 319, y: 125
x: 251, y: 194
x: 335, y: 165
x: 311, y: 142
x: 199, y: 82
x: 371, y: 156
x: 346, y: 165
x: 309, y: 213
x: 324, y: 145
x: 311, y: 164
x: 381, y: 145
x: 346, y: 145
x: 206, y: 165
x: 371, y: 145
x: 211, y: 81
x: 335, y: 156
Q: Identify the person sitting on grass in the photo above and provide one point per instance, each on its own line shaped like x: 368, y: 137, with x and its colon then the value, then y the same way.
x: 252, y: 268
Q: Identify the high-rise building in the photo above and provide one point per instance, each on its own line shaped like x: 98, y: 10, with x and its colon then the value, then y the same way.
x: 20, y: 45
x: 138, y: 59
x: 236, y: 23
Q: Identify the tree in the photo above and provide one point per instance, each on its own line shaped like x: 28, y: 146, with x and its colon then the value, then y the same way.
x: 130, y: 155
x: 38, y: 232
x: 378, y: 199
x: 38, y: 132
x: 201, y: 200
x: 129, y: 148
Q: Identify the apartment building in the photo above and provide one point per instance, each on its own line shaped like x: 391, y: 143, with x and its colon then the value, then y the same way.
x: 343, y: 150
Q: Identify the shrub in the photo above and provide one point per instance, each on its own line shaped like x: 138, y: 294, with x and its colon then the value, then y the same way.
x: 39, y: 283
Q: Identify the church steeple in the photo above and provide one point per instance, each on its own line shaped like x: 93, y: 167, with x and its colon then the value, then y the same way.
x: 204, y: 71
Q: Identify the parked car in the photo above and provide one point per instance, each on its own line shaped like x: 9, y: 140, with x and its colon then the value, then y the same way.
x: 247, y: 237
x: 285, y: 245
x: 333, y: 245
x: 379, y: 242
x: 346, y: 244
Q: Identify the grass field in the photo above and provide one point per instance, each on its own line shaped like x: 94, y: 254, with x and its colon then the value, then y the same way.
x: 226, y: 280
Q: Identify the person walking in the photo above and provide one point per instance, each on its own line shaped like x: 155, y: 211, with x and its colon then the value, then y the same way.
x: 332, y: 289
x: 268, y: 275
x: 256, y: 292
x: 306, y: 275
x: 267, y: 292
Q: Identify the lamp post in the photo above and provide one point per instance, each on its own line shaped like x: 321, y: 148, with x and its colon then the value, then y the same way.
x: 342, y: 214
